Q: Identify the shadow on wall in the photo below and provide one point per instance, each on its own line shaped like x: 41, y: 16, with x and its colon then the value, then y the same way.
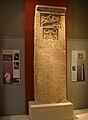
x: 3, y: 89
x: 2, y: 104
x: 3, y: 107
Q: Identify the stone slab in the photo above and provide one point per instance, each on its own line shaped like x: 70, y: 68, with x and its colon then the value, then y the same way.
x: 57, y: 111
x: 49, y: 54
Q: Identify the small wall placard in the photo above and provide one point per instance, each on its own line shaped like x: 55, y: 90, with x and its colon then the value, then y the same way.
x: 11, y: 66
x: 77, y: 65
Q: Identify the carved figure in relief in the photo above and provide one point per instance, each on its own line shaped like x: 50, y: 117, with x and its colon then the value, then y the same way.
x: 50, y: 20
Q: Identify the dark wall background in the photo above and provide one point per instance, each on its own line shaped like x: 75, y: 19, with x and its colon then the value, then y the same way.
x: 12, y: 97
x: 77, y: 18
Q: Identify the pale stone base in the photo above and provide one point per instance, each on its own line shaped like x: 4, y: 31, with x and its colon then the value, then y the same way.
x: 54, y: 111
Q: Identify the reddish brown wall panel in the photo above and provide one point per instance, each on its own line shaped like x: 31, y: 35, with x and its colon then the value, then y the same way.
x: 29, y: 41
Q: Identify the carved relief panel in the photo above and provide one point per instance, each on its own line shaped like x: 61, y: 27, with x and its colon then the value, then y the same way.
x: 51, y: 24
x: 49, y: 54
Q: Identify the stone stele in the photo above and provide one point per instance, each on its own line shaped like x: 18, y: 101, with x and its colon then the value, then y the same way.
x: 49, y: 54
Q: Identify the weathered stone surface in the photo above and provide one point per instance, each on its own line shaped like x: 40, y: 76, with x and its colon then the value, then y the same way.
x: 49, y: 55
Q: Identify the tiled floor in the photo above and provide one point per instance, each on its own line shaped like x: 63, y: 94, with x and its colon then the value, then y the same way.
x: 78, y: 115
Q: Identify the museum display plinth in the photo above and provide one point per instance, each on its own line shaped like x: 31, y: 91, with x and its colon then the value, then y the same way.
x: 54, y: 111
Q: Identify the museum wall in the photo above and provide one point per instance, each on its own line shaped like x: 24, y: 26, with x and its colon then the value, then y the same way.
x: 77, y: 39
x: 77, y: 91
x: 12, y: 97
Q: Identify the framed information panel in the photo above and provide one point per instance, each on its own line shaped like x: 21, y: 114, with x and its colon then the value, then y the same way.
x: 77, y: 65
x: 11, y: 66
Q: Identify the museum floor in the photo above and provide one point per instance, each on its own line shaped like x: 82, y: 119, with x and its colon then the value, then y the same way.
x: 79, y: 115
